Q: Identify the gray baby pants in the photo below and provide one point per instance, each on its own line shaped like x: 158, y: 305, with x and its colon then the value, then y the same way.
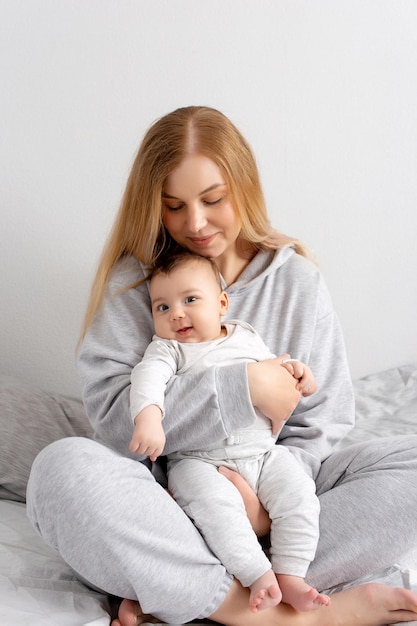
x: 217, y: 509
x: 120, y: 530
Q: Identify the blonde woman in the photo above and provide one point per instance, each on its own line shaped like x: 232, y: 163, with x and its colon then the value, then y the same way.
x: 194, y: 184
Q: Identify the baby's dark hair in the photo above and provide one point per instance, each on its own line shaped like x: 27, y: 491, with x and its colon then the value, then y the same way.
x: 169, y: 263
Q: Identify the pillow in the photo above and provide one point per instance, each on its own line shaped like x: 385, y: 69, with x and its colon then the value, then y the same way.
x: 30, y: 419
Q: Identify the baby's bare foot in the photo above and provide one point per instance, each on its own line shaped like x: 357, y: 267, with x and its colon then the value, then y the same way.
x: 264, y: 592
x: 310, y: 600
x: 265, y: 598
x: 299, y: 594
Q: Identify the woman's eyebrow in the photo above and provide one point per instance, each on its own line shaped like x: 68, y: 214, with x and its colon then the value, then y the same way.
x: 166, y: 195
x: 215, y: 186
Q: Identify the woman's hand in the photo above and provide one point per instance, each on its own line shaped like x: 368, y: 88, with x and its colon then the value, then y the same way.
x: 256, y: 513
x: 273, y: 390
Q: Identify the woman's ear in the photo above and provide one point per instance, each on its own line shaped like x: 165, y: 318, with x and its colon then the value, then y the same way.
x: 224, y: 303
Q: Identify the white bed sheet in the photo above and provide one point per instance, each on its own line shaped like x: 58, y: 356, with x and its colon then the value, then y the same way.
x: 38, y: 589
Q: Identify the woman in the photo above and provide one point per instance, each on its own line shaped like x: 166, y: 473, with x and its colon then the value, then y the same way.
x: 194, y: 184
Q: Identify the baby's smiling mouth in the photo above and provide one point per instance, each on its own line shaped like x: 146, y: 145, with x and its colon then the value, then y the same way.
x: 184, y: 330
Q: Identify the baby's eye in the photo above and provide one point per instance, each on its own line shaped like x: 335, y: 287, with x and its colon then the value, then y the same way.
x: 162, y: 307
x: 189, y: 299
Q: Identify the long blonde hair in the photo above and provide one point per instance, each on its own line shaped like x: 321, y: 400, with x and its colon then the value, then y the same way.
x: 138, y: 229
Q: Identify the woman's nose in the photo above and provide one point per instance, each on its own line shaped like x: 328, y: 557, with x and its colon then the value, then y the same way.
x: 196, y: 219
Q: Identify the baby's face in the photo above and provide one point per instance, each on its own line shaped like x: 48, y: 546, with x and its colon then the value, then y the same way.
x: 187, y: 304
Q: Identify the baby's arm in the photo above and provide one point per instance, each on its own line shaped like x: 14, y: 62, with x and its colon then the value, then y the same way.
x: 306, y: 382
x: 148, y: 435
x: 148, y: 382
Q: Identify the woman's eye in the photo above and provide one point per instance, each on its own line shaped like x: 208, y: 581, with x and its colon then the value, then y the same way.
x: 171, y: 207
x: 212, y: 202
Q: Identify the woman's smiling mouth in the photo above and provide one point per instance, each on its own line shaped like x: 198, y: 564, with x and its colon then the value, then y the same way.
x: 202, y: 241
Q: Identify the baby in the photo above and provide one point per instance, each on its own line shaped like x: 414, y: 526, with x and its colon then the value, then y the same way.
x: 188, y: 304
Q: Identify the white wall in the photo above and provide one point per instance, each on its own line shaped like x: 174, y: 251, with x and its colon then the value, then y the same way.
x: 326, y: 92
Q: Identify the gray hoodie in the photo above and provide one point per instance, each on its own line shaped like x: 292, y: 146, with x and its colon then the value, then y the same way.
x: 283, y: 296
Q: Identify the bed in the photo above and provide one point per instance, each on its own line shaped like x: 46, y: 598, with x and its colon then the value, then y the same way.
x: 36, y: 587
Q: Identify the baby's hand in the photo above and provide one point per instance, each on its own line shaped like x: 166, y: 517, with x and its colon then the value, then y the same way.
x: 306, y: 383
x: 148, y: 435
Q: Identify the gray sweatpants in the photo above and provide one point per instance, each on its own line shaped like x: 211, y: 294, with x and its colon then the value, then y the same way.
x: 214, y: 504
x: 117, y: 528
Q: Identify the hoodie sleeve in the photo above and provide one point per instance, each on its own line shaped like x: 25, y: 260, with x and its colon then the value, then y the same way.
x: 320, y: 421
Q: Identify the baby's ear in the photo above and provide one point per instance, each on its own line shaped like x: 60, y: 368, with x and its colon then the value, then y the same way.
x: 224, y: 303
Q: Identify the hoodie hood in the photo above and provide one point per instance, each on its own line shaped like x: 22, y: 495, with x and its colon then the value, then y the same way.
x: 263, y: 263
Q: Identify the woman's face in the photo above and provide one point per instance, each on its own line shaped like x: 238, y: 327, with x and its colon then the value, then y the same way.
x: 198, y: 211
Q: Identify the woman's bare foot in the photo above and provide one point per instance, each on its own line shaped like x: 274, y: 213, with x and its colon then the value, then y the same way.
x: 299, y: 594
x: 264, y: 592
x: 368, y: 605
x: 372, y: 604
x: 130, y: 614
